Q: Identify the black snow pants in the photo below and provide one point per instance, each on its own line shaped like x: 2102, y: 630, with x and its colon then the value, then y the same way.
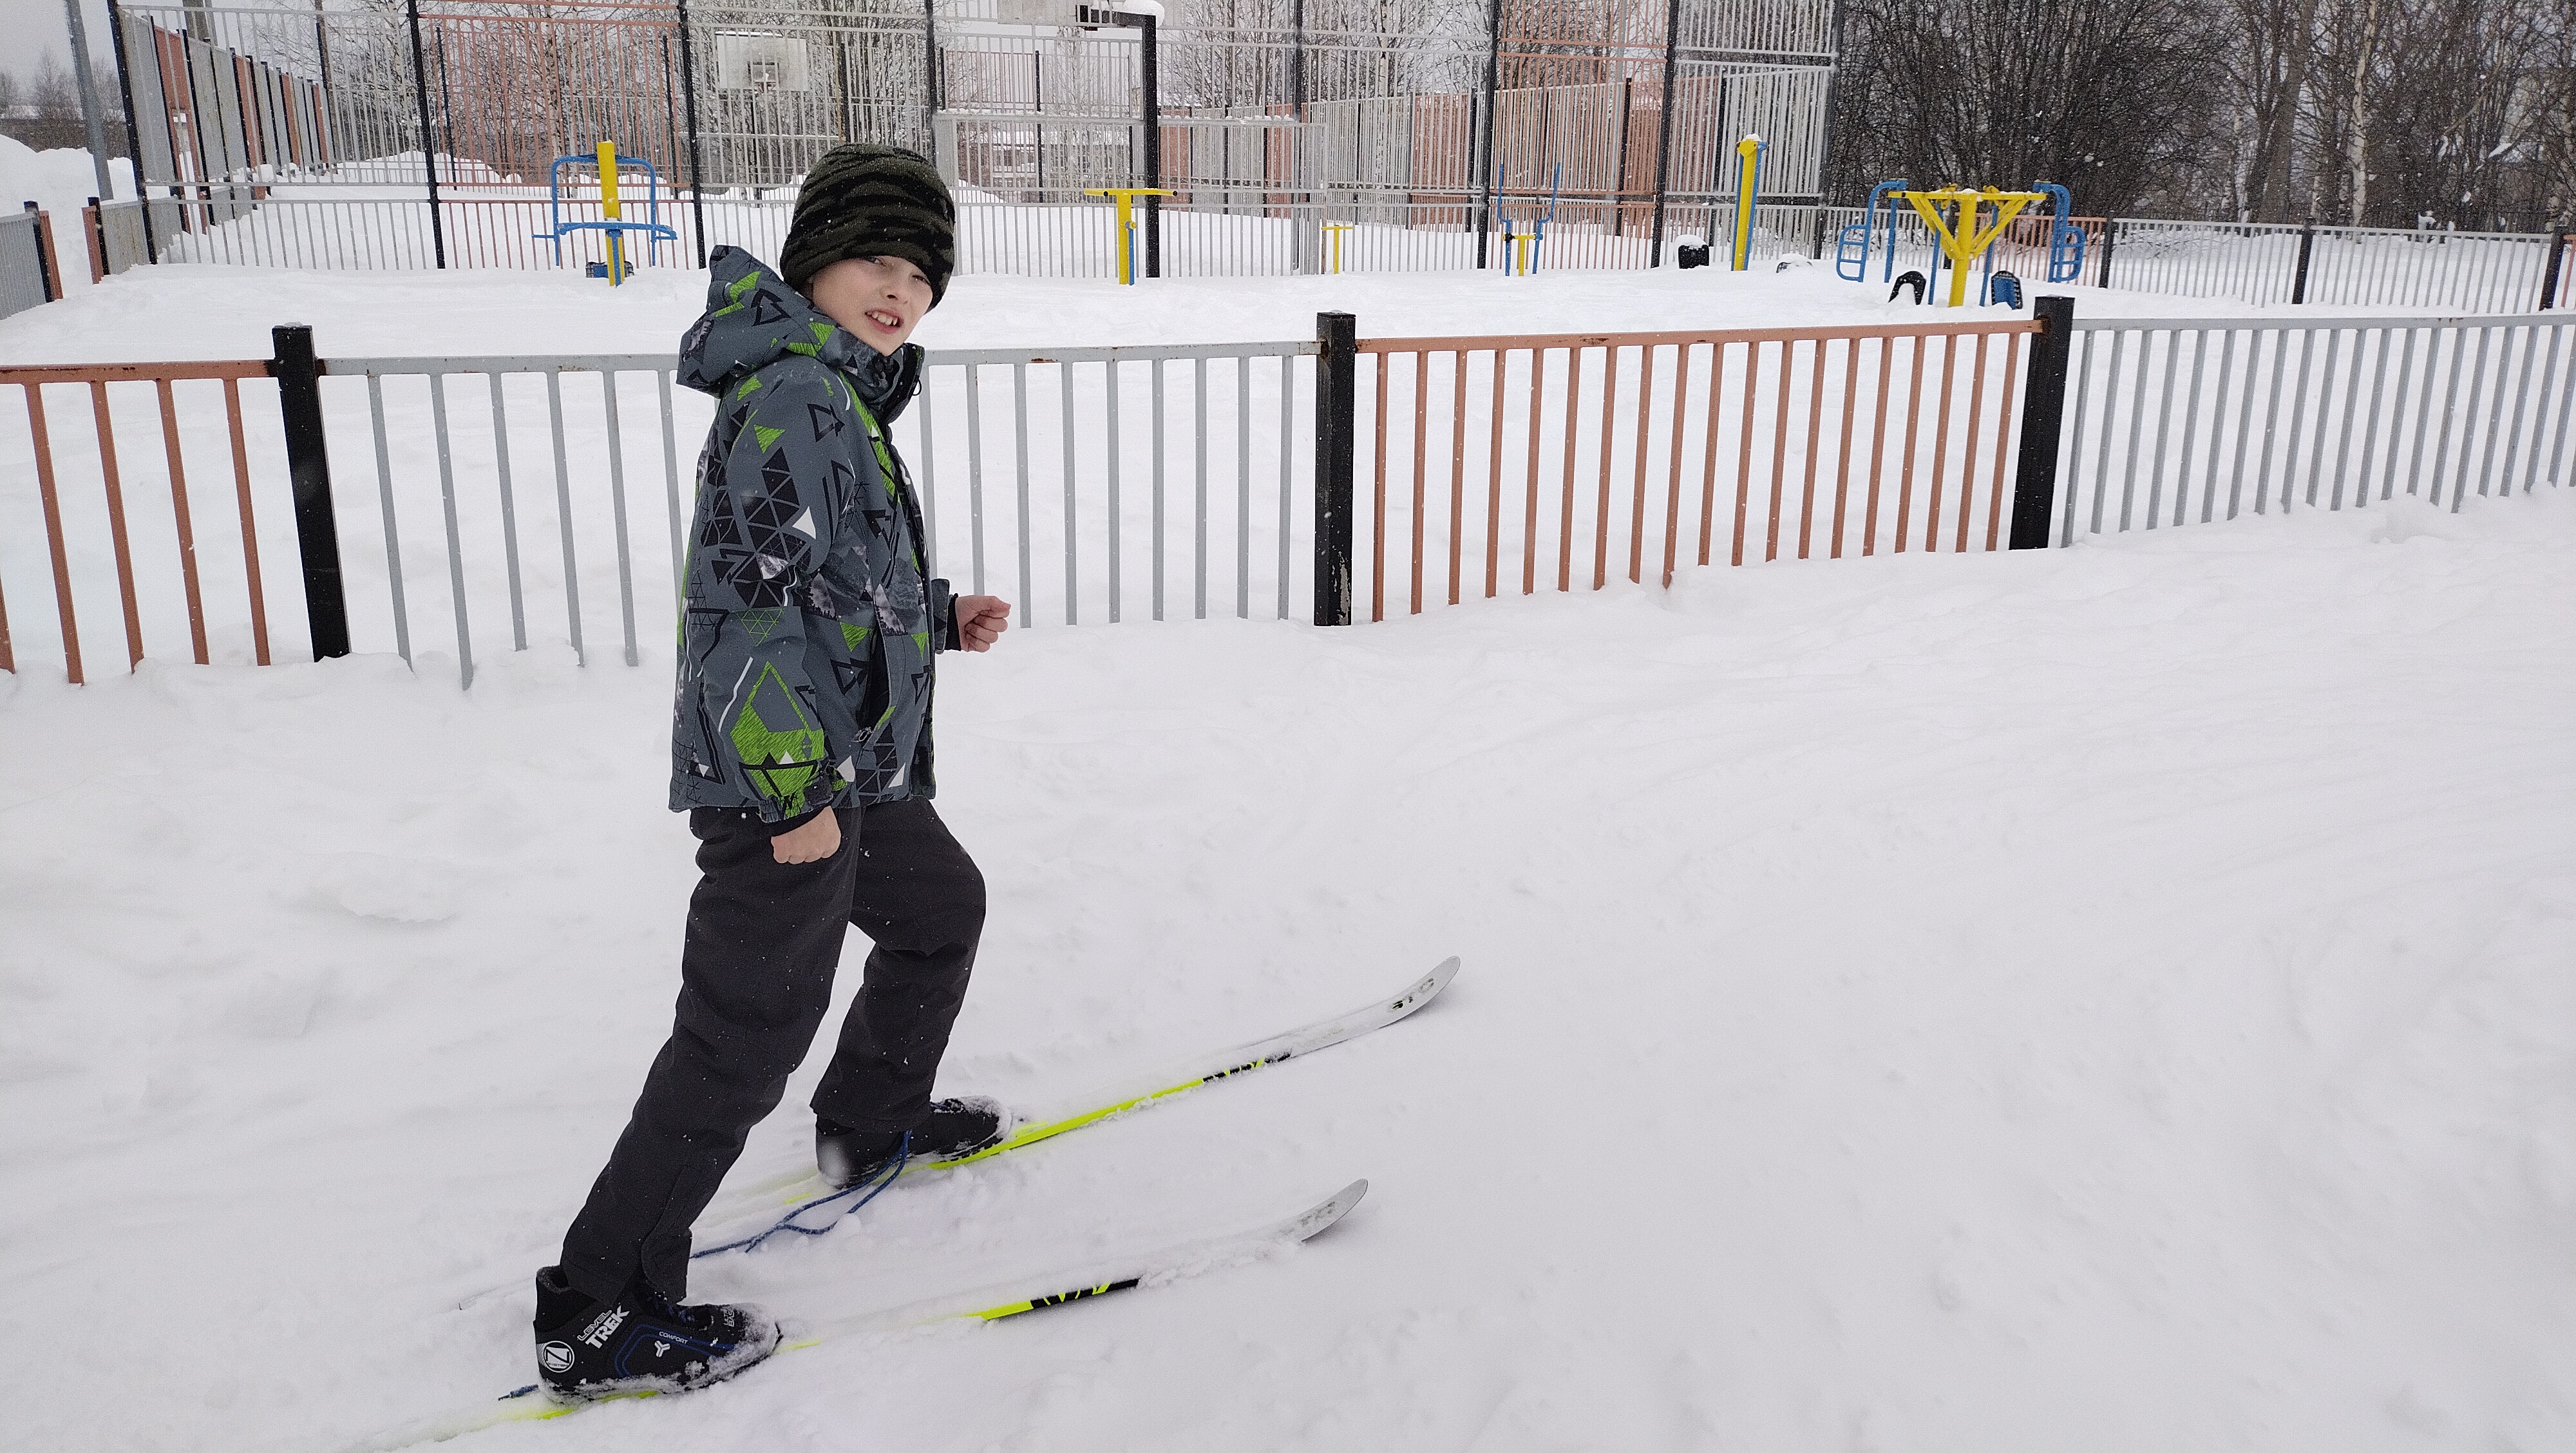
x: 755, y: 979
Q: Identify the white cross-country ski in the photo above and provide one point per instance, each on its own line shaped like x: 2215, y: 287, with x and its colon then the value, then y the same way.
x: 779, y: 1193
x: 784, y: 1195
x: 989, y: 1304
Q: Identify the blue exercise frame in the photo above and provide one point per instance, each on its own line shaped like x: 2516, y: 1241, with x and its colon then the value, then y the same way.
x: 1851, y: 245
x: 2065, y: 239
x: 557, y: 228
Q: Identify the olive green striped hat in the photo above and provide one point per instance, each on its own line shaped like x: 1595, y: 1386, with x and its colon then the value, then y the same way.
x: 866, y: 200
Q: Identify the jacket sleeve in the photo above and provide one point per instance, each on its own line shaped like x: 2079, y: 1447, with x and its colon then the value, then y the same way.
x: 943, y: 618
x: 762, y: 531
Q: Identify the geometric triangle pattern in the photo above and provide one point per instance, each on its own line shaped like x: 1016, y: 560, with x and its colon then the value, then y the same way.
x: 806, y: 674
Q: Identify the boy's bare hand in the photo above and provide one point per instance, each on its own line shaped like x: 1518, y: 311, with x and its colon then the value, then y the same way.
x: 812, y: 843
x: 981, y: 619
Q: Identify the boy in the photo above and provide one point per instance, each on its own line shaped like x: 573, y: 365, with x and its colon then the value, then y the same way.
x: 801, y: 752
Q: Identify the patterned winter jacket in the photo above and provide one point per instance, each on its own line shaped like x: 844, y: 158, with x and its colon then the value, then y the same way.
x: 807, y: 628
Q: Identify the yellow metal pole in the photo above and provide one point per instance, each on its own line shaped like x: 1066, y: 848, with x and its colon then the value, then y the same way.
x: 1125, y: 221
x: 1963, y: 236
x: 1748, y: 154
x: 608, y: 208
x: 1963, y: 227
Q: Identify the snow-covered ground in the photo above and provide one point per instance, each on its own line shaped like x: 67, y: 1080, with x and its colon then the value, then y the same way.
x: 2106, y: 998
x: 198, y: 311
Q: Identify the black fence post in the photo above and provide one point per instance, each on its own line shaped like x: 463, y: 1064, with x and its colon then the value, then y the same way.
x: 2110, y: 234
x: 428, y: 138
x: 49, y: 281
x: 308, y: 469
x: 1337, y: 380
x: 1664, y: 127
x: 689, y: 109
x: 2549, y: 274
x: 133, y: 133
x: 2043, y: 412
x: 1485, y: 178
x: 1153, y: 98
x: 2307, y: 243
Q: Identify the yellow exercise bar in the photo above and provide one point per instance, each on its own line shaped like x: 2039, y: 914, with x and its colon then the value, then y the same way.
x: 1336, y: 229
x: 1126, y: 223
x: 1963, y: 240
x: 1748, y: 192
x: 608, y: 208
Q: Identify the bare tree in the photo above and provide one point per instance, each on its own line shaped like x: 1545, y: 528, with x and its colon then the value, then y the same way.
x: 2457, y: 116
x: 2105, y: 96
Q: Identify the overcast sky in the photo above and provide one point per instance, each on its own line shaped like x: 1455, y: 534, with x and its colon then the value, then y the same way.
x: 35, y: 29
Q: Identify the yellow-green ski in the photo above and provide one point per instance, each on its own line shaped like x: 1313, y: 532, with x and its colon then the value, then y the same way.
x: 769, y: 1196
x: 793, y: 1189
x: 989, y: 1304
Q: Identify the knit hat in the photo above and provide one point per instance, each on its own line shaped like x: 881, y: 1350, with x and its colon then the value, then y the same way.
x: 865, y: 200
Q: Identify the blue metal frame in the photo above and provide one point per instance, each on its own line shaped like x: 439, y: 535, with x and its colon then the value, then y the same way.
x: 1538, y: 225
x: 1855, y: 235
x: 557, y: 228
x: 2065, y: 239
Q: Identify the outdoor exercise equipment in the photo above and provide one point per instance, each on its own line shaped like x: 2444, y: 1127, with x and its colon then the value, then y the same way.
x: 1521, y: 248
x: 613, y: 219
x: 1126, y: 198
x: 1957, y: 228
x: 1956, y: 216
x: 1749, y: 154
x: 2065, y: 239
x: 1335, y: 231
x: 1851, y: 245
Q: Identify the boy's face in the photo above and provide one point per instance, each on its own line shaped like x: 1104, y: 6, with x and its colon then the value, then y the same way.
x: 879, y: 299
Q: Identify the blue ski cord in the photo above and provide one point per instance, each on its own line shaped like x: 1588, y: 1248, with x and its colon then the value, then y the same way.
x: 903, y: 1153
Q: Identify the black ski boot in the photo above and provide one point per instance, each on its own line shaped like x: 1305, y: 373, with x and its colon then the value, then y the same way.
x: 641, y: 1342
x: 952, y: 1130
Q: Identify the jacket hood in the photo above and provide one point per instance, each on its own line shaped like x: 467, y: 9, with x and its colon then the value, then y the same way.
x: 754, y: 319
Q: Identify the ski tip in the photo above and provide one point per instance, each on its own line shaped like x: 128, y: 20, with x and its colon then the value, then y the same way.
x: 1330, y: 1210
x: 1423, y: 990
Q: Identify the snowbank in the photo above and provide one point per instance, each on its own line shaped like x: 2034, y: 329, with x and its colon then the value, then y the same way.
x: 2111, y: 998
x: 60, y: 182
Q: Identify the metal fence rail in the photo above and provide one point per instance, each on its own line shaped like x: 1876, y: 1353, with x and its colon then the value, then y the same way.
x: 499, y: 515
x: 1683, y: 446
x: 1214, y: 232
x: 2183, y: 421
x: 91, y: 546
x: 118, y: 240
x: 2258, y: 263
x: 1090, y: 484
x: 30, y: 277
x: 1052, y: 234
x: 1063, y: 432
x: 2261, y: 263
x: 1112, y: 484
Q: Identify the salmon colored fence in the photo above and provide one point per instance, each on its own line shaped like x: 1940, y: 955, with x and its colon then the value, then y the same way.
x: 42, y: 427
x: 1546, y: 454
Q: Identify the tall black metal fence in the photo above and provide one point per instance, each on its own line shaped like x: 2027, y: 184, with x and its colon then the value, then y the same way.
x: 1268, y: 116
